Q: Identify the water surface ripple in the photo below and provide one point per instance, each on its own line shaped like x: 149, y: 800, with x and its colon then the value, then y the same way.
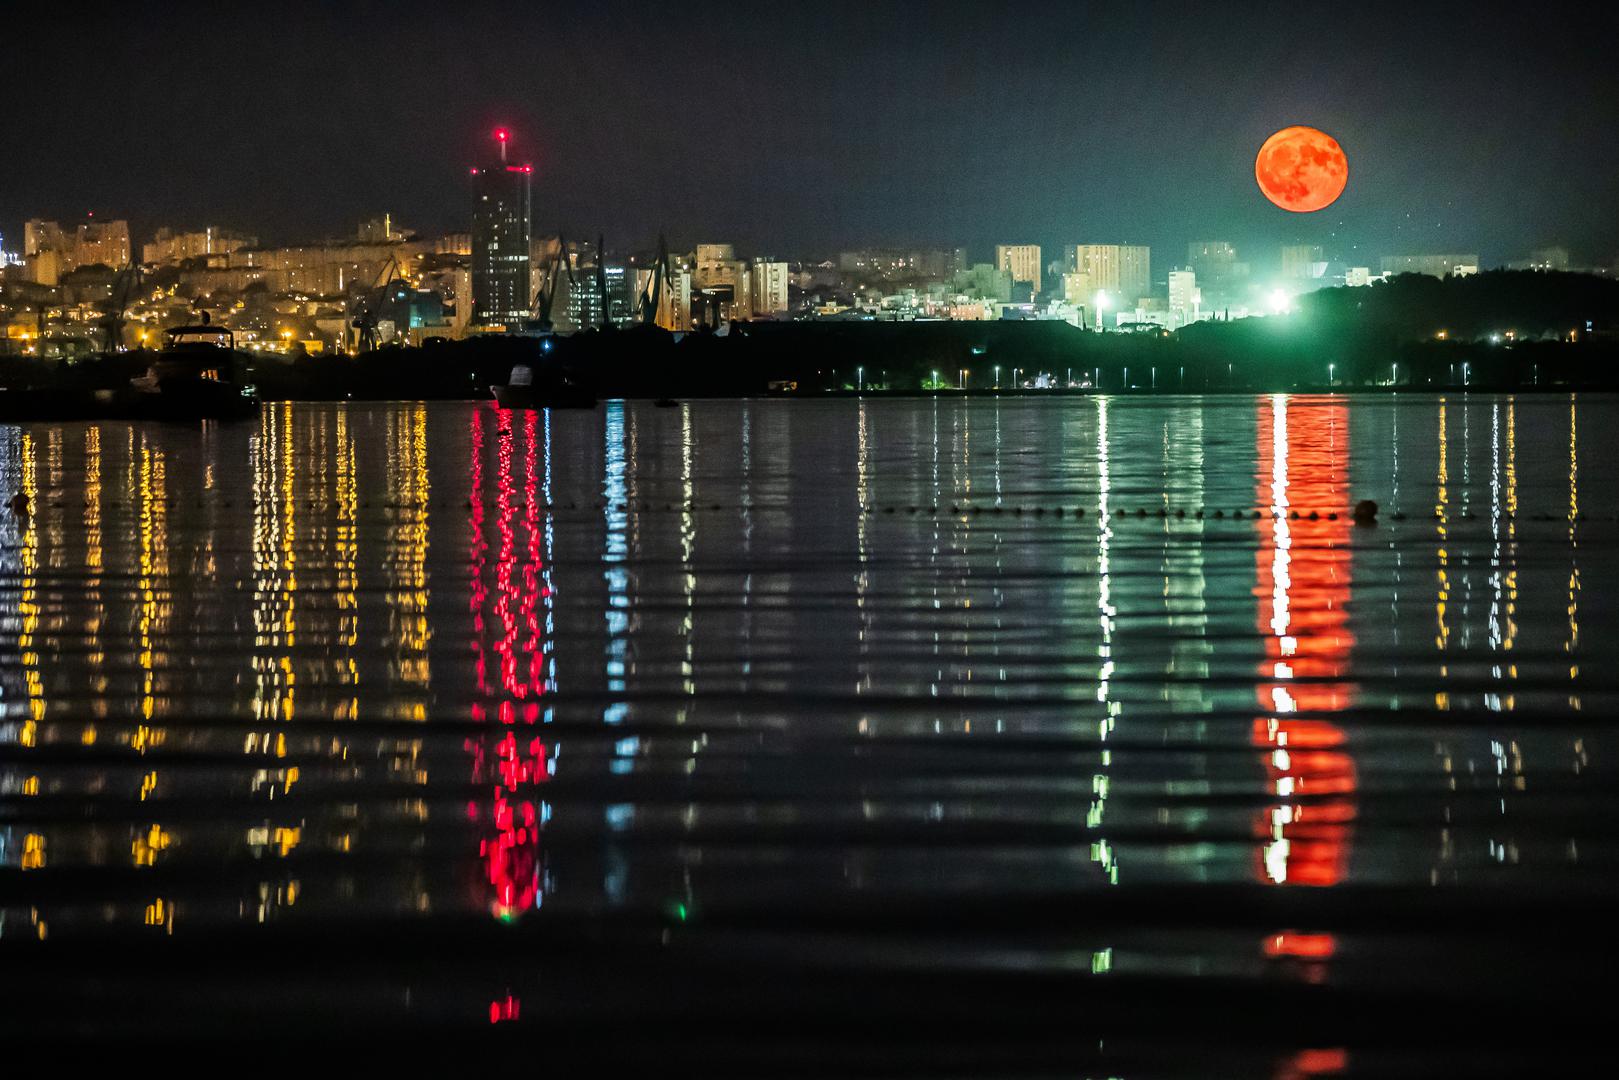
x: 824, y: 736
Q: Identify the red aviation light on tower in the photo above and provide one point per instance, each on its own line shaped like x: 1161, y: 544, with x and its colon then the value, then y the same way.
x: 502, y: 136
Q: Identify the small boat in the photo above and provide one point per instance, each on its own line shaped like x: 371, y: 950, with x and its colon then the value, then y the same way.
x: 521, y: 393
x: 195, y: 376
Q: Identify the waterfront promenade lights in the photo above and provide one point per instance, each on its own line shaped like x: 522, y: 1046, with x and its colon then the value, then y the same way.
x: 860, y: 378
x: 935, y: 379
x: 963, y: 382
x: 997, y: 376
x: 1330, y: 368
x: 1101, y: 311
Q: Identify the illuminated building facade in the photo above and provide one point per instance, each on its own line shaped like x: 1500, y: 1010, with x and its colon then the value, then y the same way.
x: 1022, y: 261
x: 715, y: 265
x: 726, y: 278
x: 1123, y: 271
x: 1077, y: 289
x: 768, y: 288
x: 501, y: 235
x: 1185, y: 298
x: 169, y: 246
x: 91, y: 243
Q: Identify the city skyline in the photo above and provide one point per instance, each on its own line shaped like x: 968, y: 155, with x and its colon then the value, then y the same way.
x: 1268, y: 256
x: 984, y: 132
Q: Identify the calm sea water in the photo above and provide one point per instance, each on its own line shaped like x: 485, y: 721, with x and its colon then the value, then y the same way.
x: 974, y: 735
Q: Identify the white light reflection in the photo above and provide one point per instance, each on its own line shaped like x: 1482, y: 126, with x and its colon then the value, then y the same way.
x: 614, y: 552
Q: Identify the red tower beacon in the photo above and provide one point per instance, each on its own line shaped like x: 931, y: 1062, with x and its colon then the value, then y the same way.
x: 502, y: 136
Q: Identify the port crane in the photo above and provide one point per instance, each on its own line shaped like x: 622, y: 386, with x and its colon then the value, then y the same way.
x: 365, y: 319
x: 651, y: 297
x: 123, y: 291
x: 551, y: 283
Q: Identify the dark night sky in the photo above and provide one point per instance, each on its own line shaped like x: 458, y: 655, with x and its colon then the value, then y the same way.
x: 826, y: 125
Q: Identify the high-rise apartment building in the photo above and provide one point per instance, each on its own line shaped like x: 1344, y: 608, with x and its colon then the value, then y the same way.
x: 1185, y: 299
x: 722, y: 274
x: 40, y: 236
x: 1123, y: 271
x: 768, y: 287
x: 1022, y: 261
x: 91, y: 243
x: 501, y: 215
x: 102, y: 243
x: 716, y: 266
x: 1221, y: 277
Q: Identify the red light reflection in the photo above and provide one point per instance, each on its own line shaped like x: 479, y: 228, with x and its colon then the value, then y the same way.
x: 504, y: 755
x: 1307, y: 1063
x: 1303, y: 585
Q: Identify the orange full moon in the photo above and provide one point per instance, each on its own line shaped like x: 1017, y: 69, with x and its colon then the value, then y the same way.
x: 1301, y: 169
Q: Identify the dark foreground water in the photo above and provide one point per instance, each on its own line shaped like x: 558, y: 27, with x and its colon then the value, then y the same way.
x: 1081, y: 736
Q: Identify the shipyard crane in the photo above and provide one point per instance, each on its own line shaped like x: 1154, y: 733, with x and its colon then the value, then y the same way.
x: 365, y: 320
x: 550, y: 283
x: 652, y: 296
x: 123, y: 291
